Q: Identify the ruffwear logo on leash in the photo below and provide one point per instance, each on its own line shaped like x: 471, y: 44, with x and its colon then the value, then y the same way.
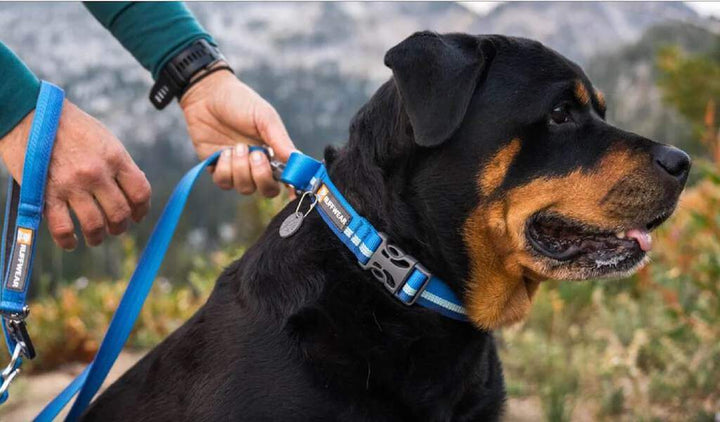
x: 332, y: 207
x: 20, y: 260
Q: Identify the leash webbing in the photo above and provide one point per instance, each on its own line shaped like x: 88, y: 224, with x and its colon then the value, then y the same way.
x: 407, y: 279
x: 88, y: 383
x: 23, y: 214
x: 401, y: 274
x: 411, y: 282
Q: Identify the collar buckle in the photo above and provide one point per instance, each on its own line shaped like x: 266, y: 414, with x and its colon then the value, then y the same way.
x: 391, y: 266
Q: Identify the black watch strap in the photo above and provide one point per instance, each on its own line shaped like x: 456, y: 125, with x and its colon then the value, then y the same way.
x: 176, y: 74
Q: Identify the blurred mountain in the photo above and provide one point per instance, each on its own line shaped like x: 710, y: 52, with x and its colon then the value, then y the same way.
x: 344, y: 41
x: 581, y: 30
x: 356, y: 35
x: 317, y: 63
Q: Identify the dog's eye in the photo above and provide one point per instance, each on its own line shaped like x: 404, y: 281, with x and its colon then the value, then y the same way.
x: 560, y: 114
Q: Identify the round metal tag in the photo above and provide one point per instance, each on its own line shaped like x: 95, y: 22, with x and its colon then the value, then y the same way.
x: 291, y: 224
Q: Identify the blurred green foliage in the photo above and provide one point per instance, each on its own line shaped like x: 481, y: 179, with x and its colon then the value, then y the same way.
x: 691, y: 84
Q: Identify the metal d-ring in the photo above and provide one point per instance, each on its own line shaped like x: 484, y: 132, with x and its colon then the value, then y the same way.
x: 312, y: 204
x: 12, y: 369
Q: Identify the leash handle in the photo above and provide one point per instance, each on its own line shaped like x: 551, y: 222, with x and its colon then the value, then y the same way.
x: 23, y: 214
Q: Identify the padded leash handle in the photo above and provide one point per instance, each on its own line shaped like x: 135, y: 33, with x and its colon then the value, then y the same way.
x: 23, y: 214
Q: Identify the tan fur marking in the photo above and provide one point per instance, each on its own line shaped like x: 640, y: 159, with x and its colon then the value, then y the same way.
x: 581, y: 93
x: 494, y: 172
x: 600, y: 97
x: 504, y: 276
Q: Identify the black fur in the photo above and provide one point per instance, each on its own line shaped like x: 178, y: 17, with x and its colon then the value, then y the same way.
x: 296, y: 331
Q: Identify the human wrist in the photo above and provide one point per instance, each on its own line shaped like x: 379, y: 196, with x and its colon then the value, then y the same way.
x: 206, y: 87
x: 193, y: 63
x: 219, y: 66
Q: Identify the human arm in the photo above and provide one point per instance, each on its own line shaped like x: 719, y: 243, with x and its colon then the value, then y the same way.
x: 90, y: 172
x: 220, y: 111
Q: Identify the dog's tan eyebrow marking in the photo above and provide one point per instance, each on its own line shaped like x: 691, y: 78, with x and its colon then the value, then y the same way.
x: 600, y: 98
x: 581, y: 93
x: 494, y: 172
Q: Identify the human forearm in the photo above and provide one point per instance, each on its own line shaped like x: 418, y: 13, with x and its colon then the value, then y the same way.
x: 152, y: 32
x: 19, y: 89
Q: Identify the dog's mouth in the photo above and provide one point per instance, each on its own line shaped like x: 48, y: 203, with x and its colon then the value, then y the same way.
x: 597, y: 251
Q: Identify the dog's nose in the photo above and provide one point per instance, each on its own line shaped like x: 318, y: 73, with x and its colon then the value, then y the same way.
x: 672, y: 161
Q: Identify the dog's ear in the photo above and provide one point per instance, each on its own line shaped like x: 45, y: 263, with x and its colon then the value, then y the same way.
x: 436, y: 76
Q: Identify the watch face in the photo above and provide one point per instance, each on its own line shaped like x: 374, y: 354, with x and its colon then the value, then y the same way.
x: 175, y: 77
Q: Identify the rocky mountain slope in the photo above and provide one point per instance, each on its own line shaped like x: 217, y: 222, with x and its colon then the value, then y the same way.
x: 318, y: 63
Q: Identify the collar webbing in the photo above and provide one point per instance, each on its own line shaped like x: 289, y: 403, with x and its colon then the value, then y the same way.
x: 400, y: 273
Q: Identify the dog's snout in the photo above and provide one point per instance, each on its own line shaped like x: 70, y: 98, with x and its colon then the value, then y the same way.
x: 672, y: 161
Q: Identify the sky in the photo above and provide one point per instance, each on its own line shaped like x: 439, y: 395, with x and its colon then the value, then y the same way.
x: 703, y: 8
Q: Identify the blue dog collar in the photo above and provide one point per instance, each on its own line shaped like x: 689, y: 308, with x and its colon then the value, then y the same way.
x: 401, y: 274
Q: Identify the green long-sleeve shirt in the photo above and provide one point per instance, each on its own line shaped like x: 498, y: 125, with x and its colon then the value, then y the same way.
x: 153, y: 32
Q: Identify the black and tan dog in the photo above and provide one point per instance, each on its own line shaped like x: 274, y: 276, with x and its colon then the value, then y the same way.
x: 487, y: 158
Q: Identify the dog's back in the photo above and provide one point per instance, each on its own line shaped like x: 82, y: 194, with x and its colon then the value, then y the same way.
x: 273, y: 342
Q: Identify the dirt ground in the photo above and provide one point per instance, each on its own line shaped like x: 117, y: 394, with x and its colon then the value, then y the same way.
x: 30, y: 393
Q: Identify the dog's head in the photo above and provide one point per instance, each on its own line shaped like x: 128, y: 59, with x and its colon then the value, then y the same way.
x: 513, y: 172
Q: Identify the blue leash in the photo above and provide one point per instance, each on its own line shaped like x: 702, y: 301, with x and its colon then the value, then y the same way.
x: 130, y: 305
x: 89, y: 381
x: 401, y: 274
x: 22, y: 220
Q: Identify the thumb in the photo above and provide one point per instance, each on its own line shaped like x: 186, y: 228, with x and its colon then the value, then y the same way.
x: 272, y: 131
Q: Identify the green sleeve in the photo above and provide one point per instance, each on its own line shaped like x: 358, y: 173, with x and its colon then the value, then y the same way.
x: 19, y: 89
x: 153, y: 32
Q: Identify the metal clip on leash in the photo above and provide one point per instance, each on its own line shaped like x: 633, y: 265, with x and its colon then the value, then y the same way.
x: 23, y: 213
x: 276, y: 165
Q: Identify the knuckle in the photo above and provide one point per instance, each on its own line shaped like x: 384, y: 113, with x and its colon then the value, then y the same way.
x: 119, y: 215
x: 89, y: 173
x: 245, y: 189
x: 93, y: 228
x: 116, y: 157
x: 143, y: 192
x: 61, y: 230
x: 269, y: 111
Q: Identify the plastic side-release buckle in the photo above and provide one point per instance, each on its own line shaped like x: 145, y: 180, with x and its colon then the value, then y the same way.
x: 392, y: 266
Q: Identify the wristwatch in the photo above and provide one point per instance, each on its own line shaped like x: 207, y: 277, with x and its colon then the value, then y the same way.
x: 176, y: 75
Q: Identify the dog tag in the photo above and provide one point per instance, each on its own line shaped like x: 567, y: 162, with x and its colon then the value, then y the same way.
x: 291, y: 224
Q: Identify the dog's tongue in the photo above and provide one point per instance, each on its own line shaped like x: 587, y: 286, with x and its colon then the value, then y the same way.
x: 642, y: 237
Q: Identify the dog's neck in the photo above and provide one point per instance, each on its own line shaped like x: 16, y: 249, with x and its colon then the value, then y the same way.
x: 373, y: 171
x: 345, y: 322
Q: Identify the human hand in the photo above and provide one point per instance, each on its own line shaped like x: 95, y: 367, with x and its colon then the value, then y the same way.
x: 90, y: 172
x: 221, y: 111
